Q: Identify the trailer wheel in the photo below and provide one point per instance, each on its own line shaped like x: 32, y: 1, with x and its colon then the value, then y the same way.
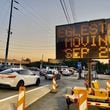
x: 68, y: 102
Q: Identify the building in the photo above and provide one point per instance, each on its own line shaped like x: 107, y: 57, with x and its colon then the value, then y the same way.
x: 14, y: 61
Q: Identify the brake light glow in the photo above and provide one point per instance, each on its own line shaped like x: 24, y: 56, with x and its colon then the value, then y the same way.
x: 11, y: 76
x: 88, y: 103
x: 7, y: 76
x: 97, y: 104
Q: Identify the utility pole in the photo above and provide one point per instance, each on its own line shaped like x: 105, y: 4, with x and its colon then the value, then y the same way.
x: 9, y: 32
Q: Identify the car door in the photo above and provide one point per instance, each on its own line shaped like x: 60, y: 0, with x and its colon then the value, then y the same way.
x: 28, y: 77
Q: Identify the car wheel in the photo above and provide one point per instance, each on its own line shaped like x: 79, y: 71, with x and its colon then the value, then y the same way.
x: 38, y: 82
x: 45, y: 77
x: 20, y: 83
x: 68, y: 101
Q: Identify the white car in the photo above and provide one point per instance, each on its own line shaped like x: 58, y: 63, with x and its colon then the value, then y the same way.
x: 16, y: 77
x: 67, y: 72
x: 93, y: 74
x: 50, y: 74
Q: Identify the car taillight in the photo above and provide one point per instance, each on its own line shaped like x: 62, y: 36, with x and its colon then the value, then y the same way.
x: 11, y: 76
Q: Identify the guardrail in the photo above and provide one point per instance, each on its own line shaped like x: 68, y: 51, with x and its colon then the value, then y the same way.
x: 31, y: 97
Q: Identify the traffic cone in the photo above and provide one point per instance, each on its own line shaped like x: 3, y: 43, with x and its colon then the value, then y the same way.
x: 21, y: 99
x: 54, y: 85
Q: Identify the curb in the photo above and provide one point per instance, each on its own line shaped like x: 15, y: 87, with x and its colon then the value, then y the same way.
x: 31, y: 96
x: 105, y: 77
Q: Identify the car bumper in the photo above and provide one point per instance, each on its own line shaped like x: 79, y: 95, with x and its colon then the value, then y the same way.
x: 49, y: 77
x: 5, y: 83
x: 5, y: 86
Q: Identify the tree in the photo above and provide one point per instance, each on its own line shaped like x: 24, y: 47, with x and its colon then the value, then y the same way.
x: 27, y: 60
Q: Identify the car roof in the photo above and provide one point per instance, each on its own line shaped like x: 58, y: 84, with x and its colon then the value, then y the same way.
x: 11, y: 70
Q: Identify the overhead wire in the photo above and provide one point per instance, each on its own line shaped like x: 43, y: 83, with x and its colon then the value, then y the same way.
x: 33, y: 16
x: 15, y: 48
x: 23, y: 12
x: 38, y: 16
x: 65, y: 13
x: 33, y: 48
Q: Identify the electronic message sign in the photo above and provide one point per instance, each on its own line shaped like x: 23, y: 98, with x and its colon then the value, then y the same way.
x: 83, y: 40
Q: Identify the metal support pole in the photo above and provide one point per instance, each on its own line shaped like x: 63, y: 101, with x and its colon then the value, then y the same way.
x: 9, y: 32
x: 89, y: 72
x: 41, y: 64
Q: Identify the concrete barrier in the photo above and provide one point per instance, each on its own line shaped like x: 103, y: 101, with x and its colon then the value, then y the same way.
x: 31, y: 96
x: 102, y: 76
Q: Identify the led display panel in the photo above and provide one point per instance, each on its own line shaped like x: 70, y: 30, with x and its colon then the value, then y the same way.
x: 89, y: 39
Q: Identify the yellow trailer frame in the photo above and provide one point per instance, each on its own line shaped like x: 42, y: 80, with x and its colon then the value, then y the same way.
x: 95, y: 97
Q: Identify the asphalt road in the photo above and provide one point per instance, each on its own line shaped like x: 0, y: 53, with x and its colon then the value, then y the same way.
x: 50, y: 101
x: 7, y: 92
x: 57, y: 101
x: 4, y: 92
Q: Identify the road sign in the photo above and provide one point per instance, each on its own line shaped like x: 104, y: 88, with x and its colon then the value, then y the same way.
x: 89, y: 39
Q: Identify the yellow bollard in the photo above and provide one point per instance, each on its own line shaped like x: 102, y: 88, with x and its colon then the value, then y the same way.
x: 21, y: 99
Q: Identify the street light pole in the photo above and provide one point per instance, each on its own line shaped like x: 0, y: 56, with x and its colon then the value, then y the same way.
x: 9, y: 32
x: 41, y: 64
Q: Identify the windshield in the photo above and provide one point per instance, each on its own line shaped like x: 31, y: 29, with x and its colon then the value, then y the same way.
x: 49, y: 72
x: 24, y: 72
x: 6, y: 71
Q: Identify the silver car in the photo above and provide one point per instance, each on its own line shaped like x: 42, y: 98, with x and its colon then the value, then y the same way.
x: 50, y: 74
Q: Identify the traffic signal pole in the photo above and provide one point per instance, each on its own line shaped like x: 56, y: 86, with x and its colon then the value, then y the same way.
x: 9, y: 32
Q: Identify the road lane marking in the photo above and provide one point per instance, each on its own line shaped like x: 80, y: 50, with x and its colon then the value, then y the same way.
x: 1, y: 100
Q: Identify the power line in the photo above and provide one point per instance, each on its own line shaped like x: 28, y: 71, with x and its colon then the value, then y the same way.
x: 44, y: 20
x: 65, y: 13
x: 16, y: 2
x: 35, y: 18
